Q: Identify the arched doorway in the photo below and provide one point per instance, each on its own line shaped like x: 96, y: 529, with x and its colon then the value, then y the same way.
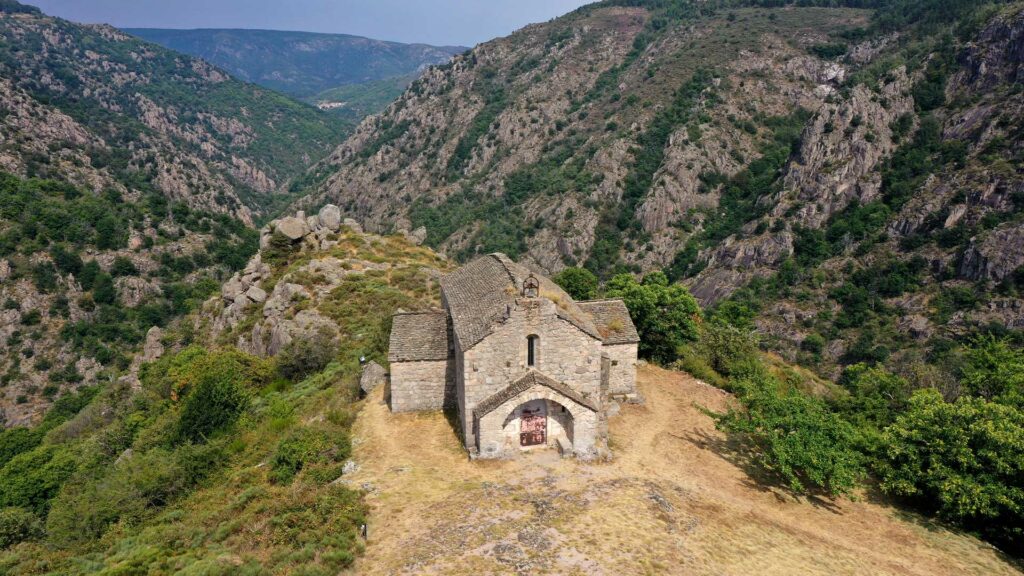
x: 536, y: 424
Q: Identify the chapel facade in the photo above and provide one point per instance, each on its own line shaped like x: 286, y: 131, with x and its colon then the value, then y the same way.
x: 522, y: 364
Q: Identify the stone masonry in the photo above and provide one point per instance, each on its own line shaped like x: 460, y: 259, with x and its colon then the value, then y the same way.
x: 525, y: 366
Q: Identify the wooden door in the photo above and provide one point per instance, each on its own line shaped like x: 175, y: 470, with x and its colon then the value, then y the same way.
x: 533, y: 427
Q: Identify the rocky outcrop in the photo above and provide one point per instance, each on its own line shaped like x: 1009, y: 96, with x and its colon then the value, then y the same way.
x: 995, y: 256
x: 286, y: 310
x: 373, y: 376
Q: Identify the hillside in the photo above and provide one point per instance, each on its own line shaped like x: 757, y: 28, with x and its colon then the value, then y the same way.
x: 805, y: 149
x: 243, y: 447
x: 104, y: 110
x: 302, y: 64
x: 676, y: 500
x: 215, y: 460
x: 130, y: 179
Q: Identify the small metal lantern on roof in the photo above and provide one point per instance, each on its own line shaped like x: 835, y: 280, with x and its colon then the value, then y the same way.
x: 531, y: 287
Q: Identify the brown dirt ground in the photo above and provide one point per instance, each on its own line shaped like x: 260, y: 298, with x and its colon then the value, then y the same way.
x: 675, y: 500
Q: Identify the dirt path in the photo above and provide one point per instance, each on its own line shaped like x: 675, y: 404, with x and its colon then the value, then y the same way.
x: 674, y: 501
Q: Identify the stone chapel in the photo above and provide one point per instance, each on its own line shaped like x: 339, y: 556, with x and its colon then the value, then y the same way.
x: 523, y: 364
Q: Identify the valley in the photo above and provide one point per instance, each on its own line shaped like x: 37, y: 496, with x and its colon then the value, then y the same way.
x: 805, y: 218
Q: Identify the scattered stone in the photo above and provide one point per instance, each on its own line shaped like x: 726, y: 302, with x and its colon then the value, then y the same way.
x: 353, y: 225
x: 350, y: 467
x: 373, y: 375
x: 126, y: 455
x: 154, y: 347
x: 330, y: 217
x: 292, y: 227
x: 256, y: 294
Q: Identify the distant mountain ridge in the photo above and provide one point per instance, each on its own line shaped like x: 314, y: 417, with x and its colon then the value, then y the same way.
x: 301, y: 64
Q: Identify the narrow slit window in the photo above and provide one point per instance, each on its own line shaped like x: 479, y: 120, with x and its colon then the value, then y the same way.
x: 531, y: 350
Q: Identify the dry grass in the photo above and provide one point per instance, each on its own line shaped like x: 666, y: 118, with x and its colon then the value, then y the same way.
x: 675, y: 501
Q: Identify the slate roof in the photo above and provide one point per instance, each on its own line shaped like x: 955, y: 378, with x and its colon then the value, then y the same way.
x: 481, y: 293
x: 418, y: 336
x: 612, y: 320
x: 532, y: 378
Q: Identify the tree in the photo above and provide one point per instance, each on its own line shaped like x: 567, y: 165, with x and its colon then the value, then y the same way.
x: 580, y: 283
x: 103, y: 290
x: 665, y: 314
x: 307, y: 355
x: 994, y: 370
x: 794, y: 437
x: 963, y: 460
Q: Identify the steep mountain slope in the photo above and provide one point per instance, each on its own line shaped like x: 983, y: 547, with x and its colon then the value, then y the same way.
x: 302, y: 64
x: 106, y: 110
x: 128, y: 176
x: 817, y: 152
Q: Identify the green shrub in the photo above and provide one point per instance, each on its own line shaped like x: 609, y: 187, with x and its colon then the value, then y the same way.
x: 579, y: 283
x: 730, y: 351
x: 307, y: 355
x: 962, y: 460
x: 305, y: 447
x: 212, y: 406
x: 18, y: 525
x: 30, y: 480
x: 795, y: 438
x: 665, y: 314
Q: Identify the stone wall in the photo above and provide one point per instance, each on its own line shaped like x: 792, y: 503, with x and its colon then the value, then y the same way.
x: 498, y: 430
x: 564, y: 353
x: 622, y: 376
x: 418, y: 385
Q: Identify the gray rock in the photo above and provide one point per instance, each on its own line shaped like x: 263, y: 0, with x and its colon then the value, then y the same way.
x: 153, y: 348
x: 353, y: 225
x: 350, y: 467
x: 373, y: 375
x: 292, y: 227
x: 256, y: 294
x: 330, y: 217
x: 232, y: 289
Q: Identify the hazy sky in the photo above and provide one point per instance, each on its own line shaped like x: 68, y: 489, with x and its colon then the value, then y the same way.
x: 452, y: 22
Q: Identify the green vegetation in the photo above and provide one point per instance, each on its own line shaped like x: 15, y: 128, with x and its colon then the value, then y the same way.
x: 212, y: 117
x: 303, y: 64
x: 579, y: 283
x: 665, y: 314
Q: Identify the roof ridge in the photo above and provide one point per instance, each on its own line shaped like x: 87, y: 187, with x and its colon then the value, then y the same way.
x: 504, y: 260
x: 596, y: 300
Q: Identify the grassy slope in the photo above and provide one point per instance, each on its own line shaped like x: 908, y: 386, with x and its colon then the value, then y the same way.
x: 677, y: 499
x: 234, y: 517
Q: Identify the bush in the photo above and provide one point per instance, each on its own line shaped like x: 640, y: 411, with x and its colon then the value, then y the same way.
x: 665, y: 314
x: 18, y: 525
x: 123, y: 267
x: 994, y: 370
x: 305, y: 356
x: 30, y: 480
x: 962, y: 460
x: 794, y: 437
x: 580, y: 283
x: 729, y: 351
x: 304, y: 447
x: 214, y: 384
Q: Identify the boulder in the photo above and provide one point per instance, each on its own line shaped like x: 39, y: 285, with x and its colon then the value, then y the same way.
x: 353, y: 225
x: 292, y: 227
x: 373, y: 375
x: 154, y: 348
x: 330, y: 217
x: 256, y: 294
x: 232, y: 289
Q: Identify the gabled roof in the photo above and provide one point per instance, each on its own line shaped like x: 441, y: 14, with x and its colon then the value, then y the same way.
x: 531, y: 379
x: 418, y: 336
x: 481, y: 293
x: 612, y: 320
